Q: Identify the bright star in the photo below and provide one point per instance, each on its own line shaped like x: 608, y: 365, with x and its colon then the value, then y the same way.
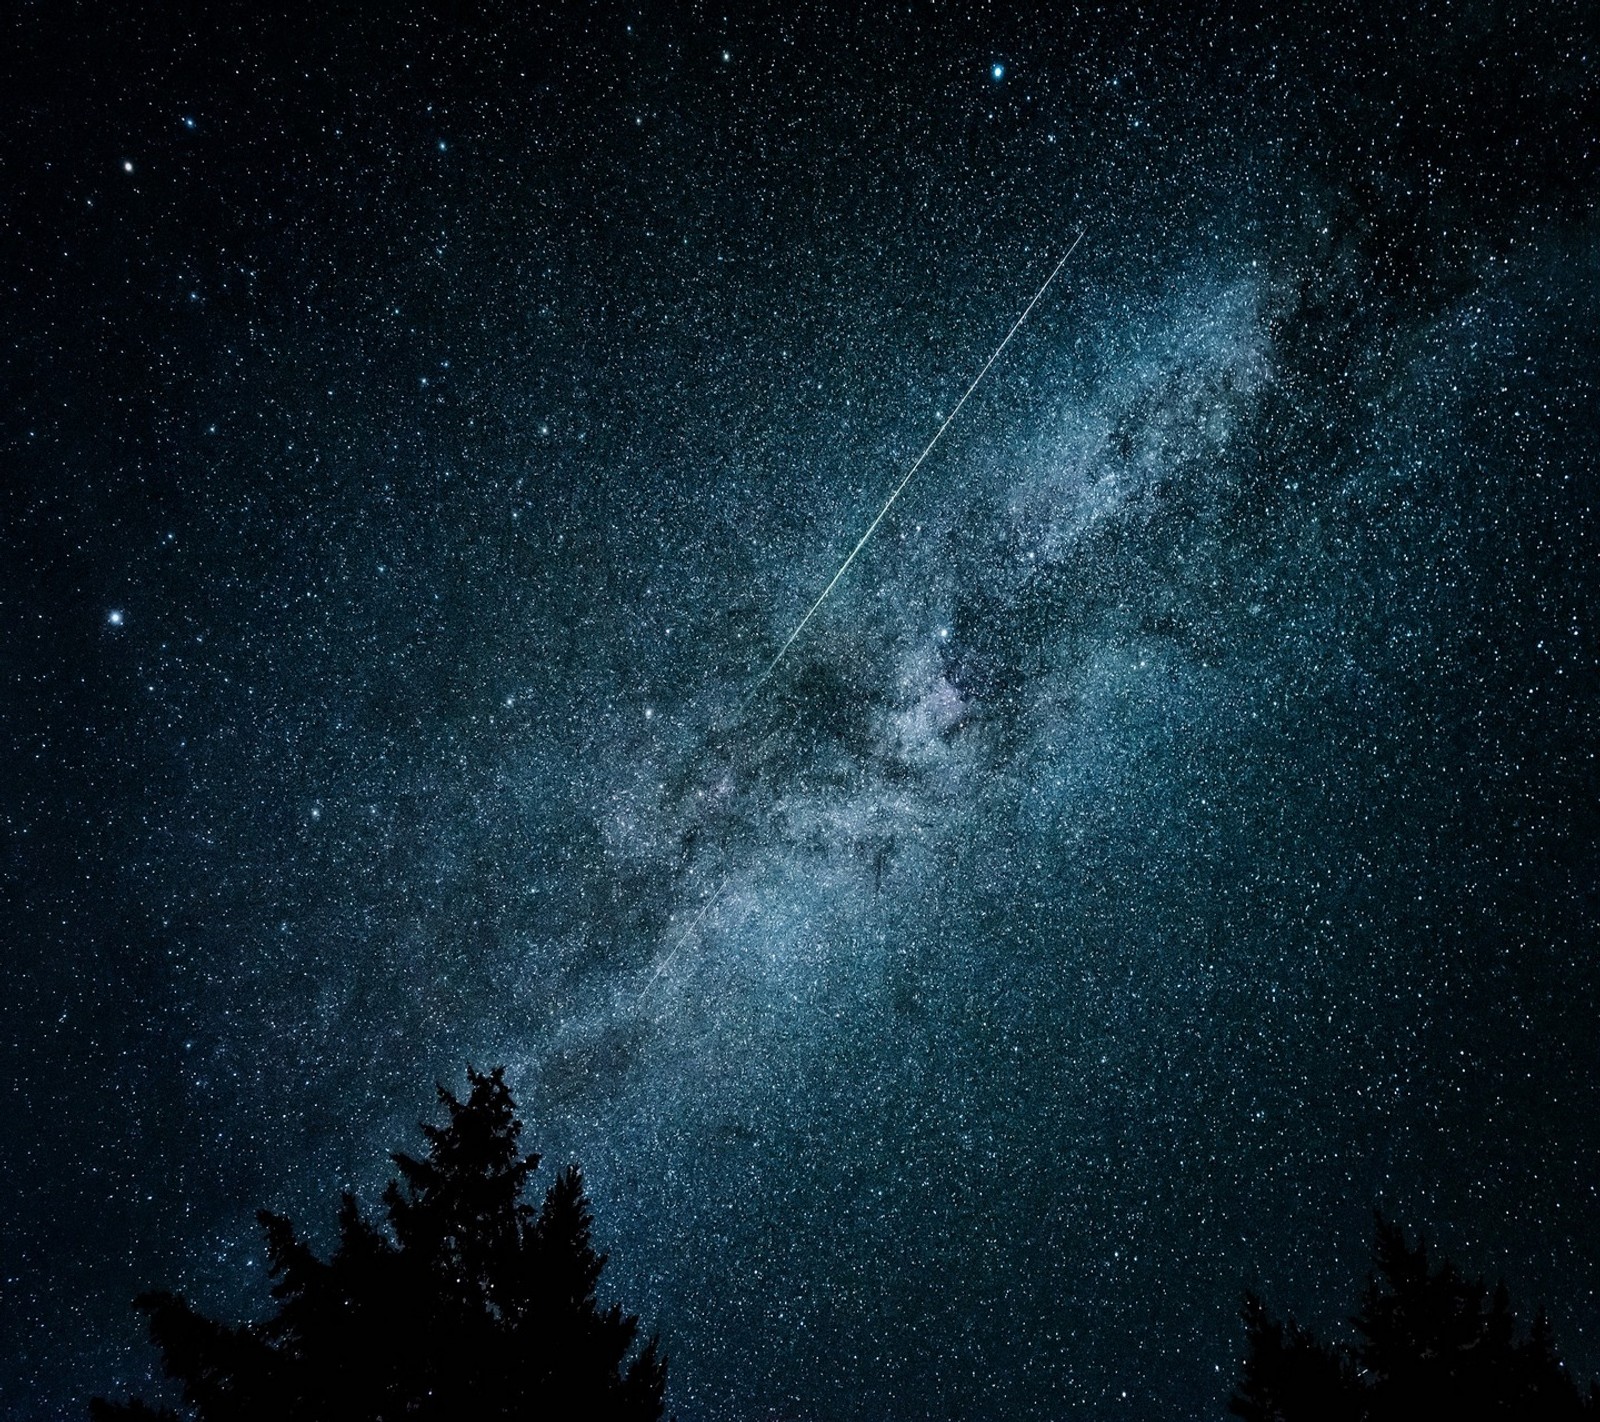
x: 114, y: 617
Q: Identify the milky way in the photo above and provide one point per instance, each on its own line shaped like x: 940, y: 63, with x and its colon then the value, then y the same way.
x: 1171, y: 840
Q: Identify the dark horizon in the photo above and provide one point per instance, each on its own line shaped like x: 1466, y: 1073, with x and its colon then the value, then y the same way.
x: 1173, y: 839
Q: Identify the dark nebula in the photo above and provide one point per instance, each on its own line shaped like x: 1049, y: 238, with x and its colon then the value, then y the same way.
x: 1174, y: 838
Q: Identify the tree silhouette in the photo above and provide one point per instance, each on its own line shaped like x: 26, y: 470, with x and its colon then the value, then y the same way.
x: 471, y: 1306
x: 1431, y: 1343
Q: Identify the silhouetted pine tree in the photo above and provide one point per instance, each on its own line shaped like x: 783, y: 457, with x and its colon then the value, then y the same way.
x: 1431, y: 1343
x: 476, y: 1307
x: 1290, y: 1377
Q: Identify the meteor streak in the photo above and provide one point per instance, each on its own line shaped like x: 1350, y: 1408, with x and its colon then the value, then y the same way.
x: 683, y: 938
x: 844, y: 567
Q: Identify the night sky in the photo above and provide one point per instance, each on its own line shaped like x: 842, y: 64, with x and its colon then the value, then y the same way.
x: 1174, y: 838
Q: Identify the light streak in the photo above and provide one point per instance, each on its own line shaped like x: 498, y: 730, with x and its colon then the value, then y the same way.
x: 683, y: 938
x: 861, y: 543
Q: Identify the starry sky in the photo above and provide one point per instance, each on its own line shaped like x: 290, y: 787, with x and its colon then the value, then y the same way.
x: 1173, y: 839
